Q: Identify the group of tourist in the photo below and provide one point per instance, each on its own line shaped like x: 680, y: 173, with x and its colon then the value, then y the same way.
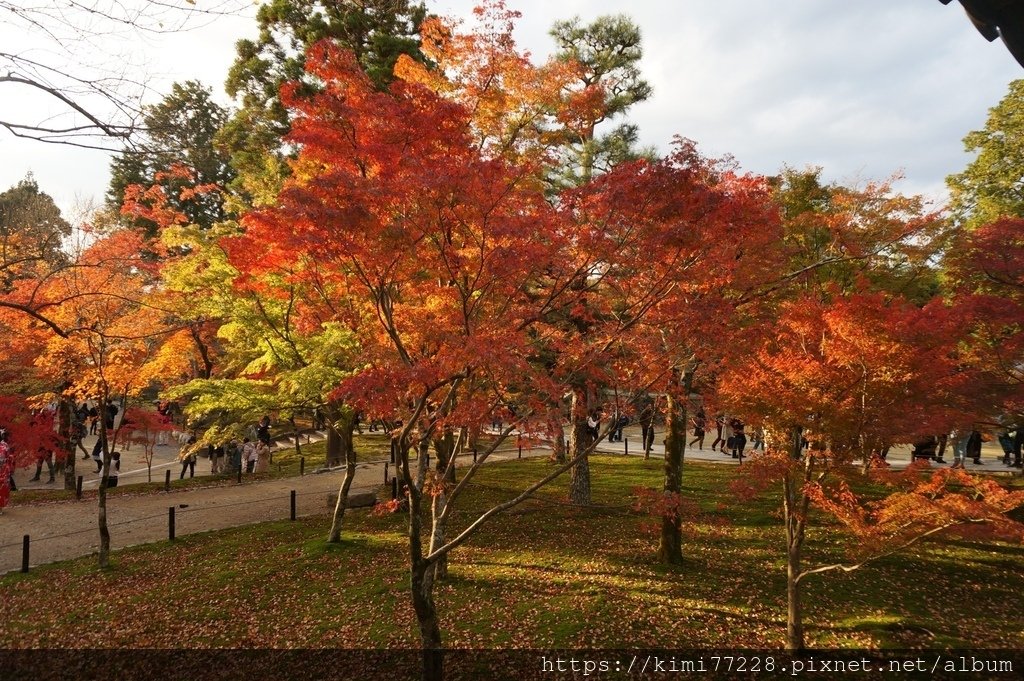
x: 250, y: 454
x: 730, y: 435
x: 966, y: 444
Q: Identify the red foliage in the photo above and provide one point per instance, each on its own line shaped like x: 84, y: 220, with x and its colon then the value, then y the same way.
x: 660, y: 505
x: 29, y: 432
x: 858, y: 372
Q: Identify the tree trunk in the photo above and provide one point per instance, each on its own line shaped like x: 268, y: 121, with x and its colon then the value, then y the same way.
x: 335, y: 448
x: 558, y: 446
x: 437, y: 539
x: 295, y: 432
x: 344, y: 425
x: 797, y: 446
x: 204, y: 351
x: 444, y: 450
x: 422, y: 578
x: 579, y: 440
x: 426, y: 618
x: 104, y: 556
x: 794, y: 510
x: 340, y: 425
x: 670, y: 548
x: 66, y: 431
x: 794, y: 614
x: 422, y: 463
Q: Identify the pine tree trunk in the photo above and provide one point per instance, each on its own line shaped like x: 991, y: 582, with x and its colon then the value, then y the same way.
x: 579, y: 441
x: 343, y: 427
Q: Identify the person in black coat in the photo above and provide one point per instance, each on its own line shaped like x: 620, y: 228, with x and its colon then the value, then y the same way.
x: 974, y: 446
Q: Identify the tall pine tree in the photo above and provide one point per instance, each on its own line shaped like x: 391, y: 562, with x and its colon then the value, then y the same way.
x: 377, y: 32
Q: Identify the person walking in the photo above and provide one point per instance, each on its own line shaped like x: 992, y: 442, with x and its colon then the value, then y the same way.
x: 648, y: 413
x: 188, y: 458
x: 1018, y: 444
x: 728, y: 440
x: 757, y: 439
x: 163, y: 437
x: 43, y: 456
x: 620, y: 422
x: 719, y: 427
x: 700, y: 422
x: 941, y: 451
x: 739, y: 439
x: 974, y: 446
x: 6, y: 470
x: 94, y: 420
x: 959, y: 442
x: 97, y: 452
x: 1006, y: 444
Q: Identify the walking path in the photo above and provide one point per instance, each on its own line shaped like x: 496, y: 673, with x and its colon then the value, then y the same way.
x: 69, y: 529
x: 63, y: 530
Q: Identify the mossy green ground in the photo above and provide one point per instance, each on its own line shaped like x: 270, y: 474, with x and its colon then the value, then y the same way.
x: 544, y: 575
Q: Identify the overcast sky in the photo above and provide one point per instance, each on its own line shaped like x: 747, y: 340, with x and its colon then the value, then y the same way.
x: 863, y: 88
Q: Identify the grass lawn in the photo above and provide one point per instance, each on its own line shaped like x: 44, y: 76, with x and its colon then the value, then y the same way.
x: 544, y: 575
